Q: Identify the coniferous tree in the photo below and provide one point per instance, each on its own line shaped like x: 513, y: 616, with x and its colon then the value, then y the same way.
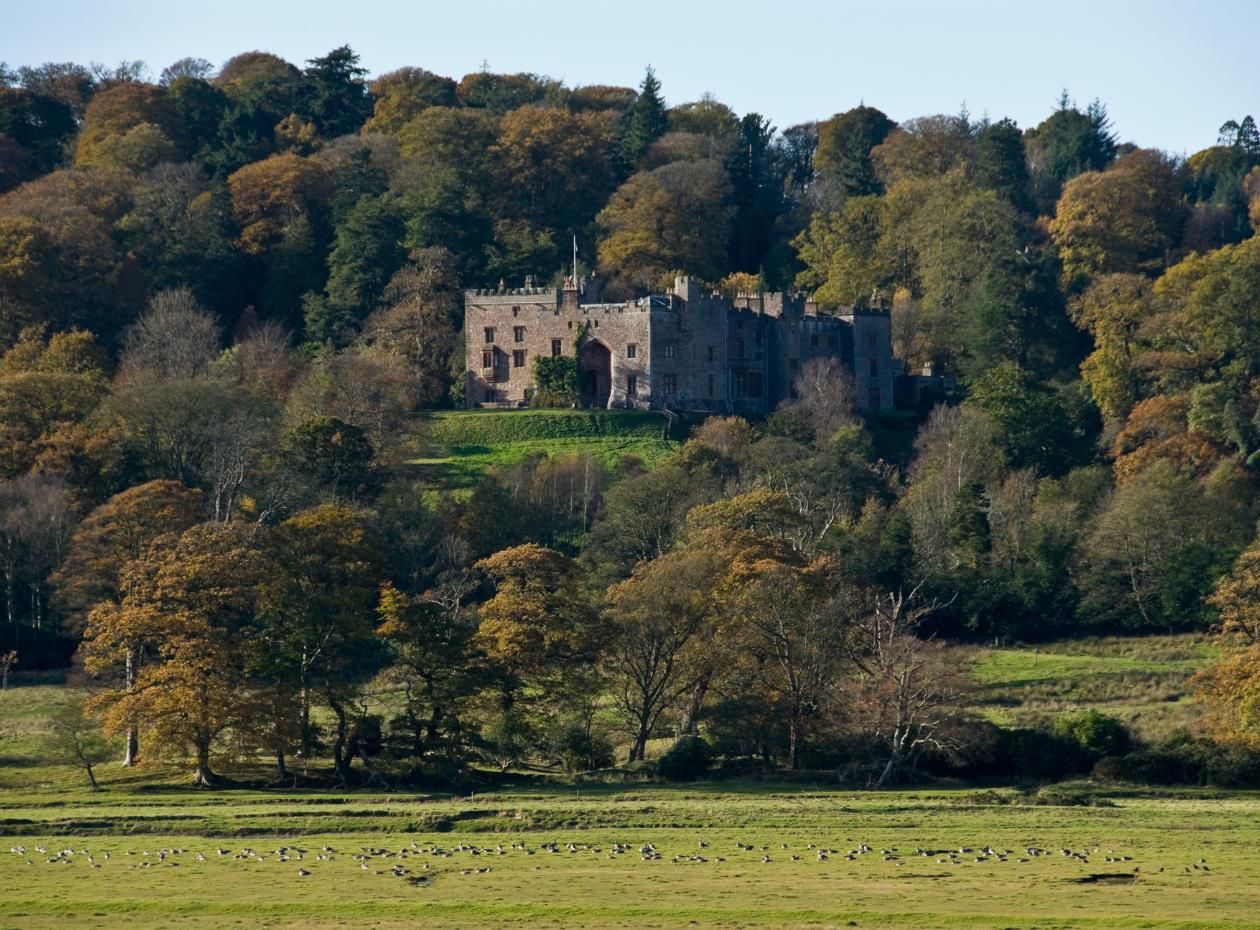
x: 335, y: 95
x: 647, y: 123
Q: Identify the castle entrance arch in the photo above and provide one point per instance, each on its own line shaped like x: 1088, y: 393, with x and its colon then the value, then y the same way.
x: 595, y: 372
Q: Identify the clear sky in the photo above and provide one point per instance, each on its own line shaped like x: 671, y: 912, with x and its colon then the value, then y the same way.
x: 1169, y: 73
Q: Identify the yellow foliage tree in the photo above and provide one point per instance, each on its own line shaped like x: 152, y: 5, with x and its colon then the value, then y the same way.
x: 1229, y: 691
x: 537, y: 623
x: 1237, y: 597
x: 191, y: 602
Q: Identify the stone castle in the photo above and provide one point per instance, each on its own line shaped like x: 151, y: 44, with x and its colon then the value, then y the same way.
x: 685, y: 350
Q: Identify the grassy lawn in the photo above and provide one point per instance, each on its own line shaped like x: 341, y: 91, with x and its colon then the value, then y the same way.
x: 451, y: 873
x: 1141, y: 680
x: 407, y: 859
x: 455, y: 448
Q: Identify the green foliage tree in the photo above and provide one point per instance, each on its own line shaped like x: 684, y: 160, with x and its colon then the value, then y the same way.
x: 366, y: 252
x: 333, y: 456
x: 1001, y: 163
x: 1068, y: 143
x: 843, y: 158
x: 334, y: 95
x: 647, y: 121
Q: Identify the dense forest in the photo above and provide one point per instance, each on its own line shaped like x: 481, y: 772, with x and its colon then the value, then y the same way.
x: 226, y: 295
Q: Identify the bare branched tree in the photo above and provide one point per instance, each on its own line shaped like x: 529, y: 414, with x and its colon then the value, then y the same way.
x: 825, y: 390
x: 175, y: 338
x: 907, y: 694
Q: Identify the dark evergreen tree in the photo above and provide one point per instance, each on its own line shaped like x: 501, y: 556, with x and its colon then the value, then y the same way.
x: 366, y: 252
x: 843, y: 159
x: 40, y: 125
x: 647, y: 121
x: 1001, y: 163
x: 358, y: 177
x: 758, y: 184
x: 335, y: 96
x: 200, y: 107
x: 1069, y: 143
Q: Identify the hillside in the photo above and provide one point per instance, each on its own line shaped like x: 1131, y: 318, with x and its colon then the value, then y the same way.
x: 456, y: 447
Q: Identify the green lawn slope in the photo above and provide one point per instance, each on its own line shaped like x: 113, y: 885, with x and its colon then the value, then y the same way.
x: 455, y: 448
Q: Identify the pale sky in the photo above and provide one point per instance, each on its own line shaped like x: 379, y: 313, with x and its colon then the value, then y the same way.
x: 1169, y: 73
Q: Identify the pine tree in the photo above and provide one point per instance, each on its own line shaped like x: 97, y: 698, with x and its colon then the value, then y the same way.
x: 647, y: 121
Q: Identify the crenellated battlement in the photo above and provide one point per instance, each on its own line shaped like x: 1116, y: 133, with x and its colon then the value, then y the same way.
x: 688, y: 348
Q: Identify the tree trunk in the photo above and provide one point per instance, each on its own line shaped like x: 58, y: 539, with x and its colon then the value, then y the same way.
x: 794, y: 741
x: 91, y: 776
x: 691, y: 711
x: 282, y: 770
x: 204, y: 776
x: 639, y: 750
x: 306, y: 714
x: 132, y: 754
x: 340, y: 763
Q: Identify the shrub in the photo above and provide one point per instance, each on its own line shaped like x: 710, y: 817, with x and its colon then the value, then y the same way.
x: 1184, y: 760
x: 555, y: 380
x: 1152, y: 767
x: 579, y: 749
x: 687, y: 760
x: 1041, y: 754
x: 1095, y: 734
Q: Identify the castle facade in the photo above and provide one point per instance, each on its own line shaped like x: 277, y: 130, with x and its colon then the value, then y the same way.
x: 684, y: 350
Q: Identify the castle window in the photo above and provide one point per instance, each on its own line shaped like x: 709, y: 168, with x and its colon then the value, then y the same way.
x: 669, y: 350
x: 754, y: 384
x: 518, y: 358
x: 670, y: 384
x: 873, y: 399
x: 487, y: 358
x: 813, y: 339
x: 556, y: 348
x: 491, y: 395
x: 515, y: 311
x: 710, y: 382
x: 632, y: 350
x: 870, y: 339
x: 739, y: 348
x: 741, y: 385
x: 632, y: 386
x: 518, y: 333
x: 874, y: 368
x: 489, y: 334
x: 832, y: 341
x: 712, y: 352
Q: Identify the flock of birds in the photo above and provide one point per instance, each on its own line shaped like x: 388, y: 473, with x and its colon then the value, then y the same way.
x: 418, y: 863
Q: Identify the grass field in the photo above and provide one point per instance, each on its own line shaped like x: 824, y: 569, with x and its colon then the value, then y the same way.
x: 1165, y: 859
x: 1142, y: 681
x: 455, y: 448
x: 433, y: 861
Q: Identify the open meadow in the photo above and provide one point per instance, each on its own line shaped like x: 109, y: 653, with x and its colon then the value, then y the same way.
x: 148, y: 852
x: 703, y: 856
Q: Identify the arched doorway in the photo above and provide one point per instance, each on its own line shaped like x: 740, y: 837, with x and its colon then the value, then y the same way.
x: 595, y: 370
